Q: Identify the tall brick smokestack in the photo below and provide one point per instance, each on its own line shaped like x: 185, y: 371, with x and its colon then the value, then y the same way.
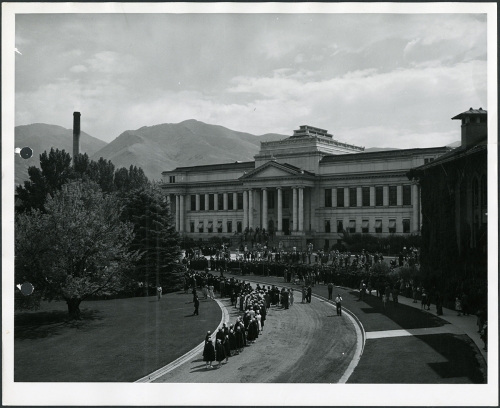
x: 76, y: 135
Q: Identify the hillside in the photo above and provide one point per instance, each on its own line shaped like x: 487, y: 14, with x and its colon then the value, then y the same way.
x: 41, y: 137
x: 167, y: 146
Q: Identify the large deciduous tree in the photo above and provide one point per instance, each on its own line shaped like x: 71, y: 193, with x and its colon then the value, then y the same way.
x: 77, y: 248
x: 155, y: 236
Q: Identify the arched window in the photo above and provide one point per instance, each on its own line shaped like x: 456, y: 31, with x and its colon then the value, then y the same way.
x: 475, y: 192
x: 484, y: 191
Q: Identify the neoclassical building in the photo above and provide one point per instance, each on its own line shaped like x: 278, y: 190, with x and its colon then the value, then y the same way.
x: 306, y: 188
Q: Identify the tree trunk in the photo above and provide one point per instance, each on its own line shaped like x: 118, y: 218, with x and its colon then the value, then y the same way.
x: 73, y: 308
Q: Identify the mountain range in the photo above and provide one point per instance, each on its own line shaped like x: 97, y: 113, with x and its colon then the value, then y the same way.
x: 153, y: 148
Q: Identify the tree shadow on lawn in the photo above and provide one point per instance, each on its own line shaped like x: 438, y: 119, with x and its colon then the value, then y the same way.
x: 464, y: 359
x: 406, y: 317
x: 38, y: 325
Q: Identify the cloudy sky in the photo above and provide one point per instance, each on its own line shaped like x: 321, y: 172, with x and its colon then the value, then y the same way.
x: 392, y: 80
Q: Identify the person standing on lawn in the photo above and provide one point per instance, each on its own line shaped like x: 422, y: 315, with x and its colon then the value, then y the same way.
x: 158, y: 292
x: 338, y: 303
x: 209, y: 353
x: 196, y: 305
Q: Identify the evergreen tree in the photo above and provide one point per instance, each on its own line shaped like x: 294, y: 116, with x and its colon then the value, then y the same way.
x: 155, y: 237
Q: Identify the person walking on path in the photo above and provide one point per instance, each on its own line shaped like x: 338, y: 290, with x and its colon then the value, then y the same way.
x: 484, y: 336
x: 309, y: 294
x: 330, y: 290
x: 481, y: 318
x: 304, y: 295
x: 227, y: 348
x: 220, y: 352
x: 196, y: 305
x: 385, y: 296
x: 465, y: 304
x: 458, y: 306
x: 209, y: 353
x: 415, y: 292
x: 395, y: 294
x: 424, y: 299
x: 338, y: 303
x: 439, y: 304
x: 211, y: 292
x: 159, y: 290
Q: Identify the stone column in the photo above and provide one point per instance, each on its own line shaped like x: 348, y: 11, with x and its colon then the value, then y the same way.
x: 182, y: 210
x: 235, y: 201
x: 334, y: 197
x: 177, y: 212
x: 280, y: 209
x: 294, y: 209
x: 216, y: 202
x: 416, y: 207
x: 245, y: 209
x: 372, y: 196
x: 301, y: 208
x: 359, y: 196
x: 386, y: 195
x: 225, y: 201
x: 197, y: 202
x: 206, y: 202
x: 399, y: 190
x: 347, y: 197
x: 250, y: 208
x: 264, y: 209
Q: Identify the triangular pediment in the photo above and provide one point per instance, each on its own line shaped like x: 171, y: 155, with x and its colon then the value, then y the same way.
x: 272, y: 169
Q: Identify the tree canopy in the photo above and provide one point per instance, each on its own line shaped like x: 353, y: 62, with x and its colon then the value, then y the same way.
x: 77, y: 248
x: 56, y: 169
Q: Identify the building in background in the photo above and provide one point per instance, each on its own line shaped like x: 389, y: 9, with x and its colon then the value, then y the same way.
x: 307, y: 188
x: 455, y: 212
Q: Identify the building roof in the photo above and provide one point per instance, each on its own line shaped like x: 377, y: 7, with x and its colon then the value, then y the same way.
x: 455, y: 154
x: 470, y: 112
x: 383, y: 154
x: 214, y: 167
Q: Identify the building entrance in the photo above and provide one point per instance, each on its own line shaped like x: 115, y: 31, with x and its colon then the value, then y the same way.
x: 286, y: 226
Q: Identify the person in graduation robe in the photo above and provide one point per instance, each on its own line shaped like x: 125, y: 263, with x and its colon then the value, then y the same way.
x: 209, y: 353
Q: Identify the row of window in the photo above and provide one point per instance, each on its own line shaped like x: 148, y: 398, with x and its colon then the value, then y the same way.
x: 211, y: 226
x: 210, y: 205
x: 365, y: 196
x: 365, y: 225
x: 232, y: 204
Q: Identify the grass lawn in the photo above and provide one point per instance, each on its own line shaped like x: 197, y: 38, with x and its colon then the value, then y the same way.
x: 429, y: 359
x: 116, y: 340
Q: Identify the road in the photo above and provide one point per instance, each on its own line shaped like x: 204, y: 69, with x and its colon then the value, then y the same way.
x: 307, y: 343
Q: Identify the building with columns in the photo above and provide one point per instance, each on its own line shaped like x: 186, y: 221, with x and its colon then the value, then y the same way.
x: 304, y: 189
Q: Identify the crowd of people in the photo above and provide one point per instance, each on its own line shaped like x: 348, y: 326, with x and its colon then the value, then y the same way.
x: 252, y: 304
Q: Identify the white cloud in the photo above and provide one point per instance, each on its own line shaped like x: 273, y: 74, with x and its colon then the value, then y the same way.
x: 410, y: 46
x: 78, y: 68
